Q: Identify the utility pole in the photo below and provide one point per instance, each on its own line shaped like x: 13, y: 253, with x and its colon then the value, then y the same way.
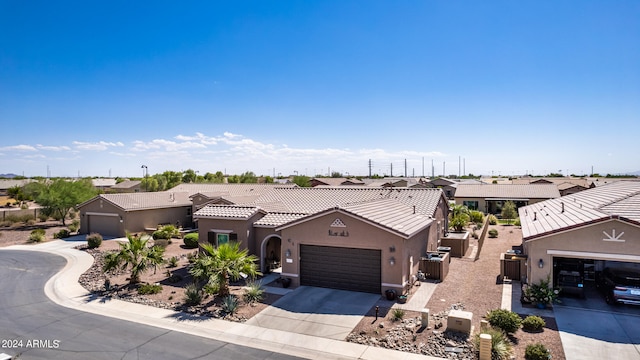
x: 369, y: 168
x: 444, y: 172
x: 405, y: 167
x: 391, y: 169
x: 459, y: 173
x: 423, y: 166
x: 433, y: 170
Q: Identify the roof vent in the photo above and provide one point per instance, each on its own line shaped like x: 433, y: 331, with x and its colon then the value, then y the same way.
x: 535, y: 216
x: 562, y: 203
x: 414, y: 209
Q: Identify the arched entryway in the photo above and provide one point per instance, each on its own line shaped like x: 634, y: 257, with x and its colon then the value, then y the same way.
x: 271, y: 254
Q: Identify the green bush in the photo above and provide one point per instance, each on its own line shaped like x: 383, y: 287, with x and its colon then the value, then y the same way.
x: 146, y: 289
x: 507, y: 321
x: 173, y: 261
x: 191, y: 241
x: 37, y: 235
x: 500, y: 345
x: 397, y: 314
x: 62, y: 234
x: 230, y: 304
x: 166, y: 232
x: 533, y: 323
x: 74, y: 226
x: 253, y: 293
x: 192, y: 295
x: 476, y: 216
x: 493, y: 220
x: 493, y: 233
x: 94, y: 240
x: 537, y: 352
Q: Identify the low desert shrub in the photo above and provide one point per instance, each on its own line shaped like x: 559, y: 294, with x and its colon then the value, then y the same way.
x: 507, y: 321
x: 37, y: 235
x: 62, y: 234
x: 397, y: 314
x: 212, y: 288
x: 192, y: 295
x: 166, y: 232
x: 537, y: 352
x: 501, y: 347
x: 146, y: 289
x: 230, y: 304
x: 493, y: 220
x: 173, y: 261
x: 94, y: 240
x: 43, y: 217
x: 253, y: 293
x: 476, y: 217
x: 191, y: 241
x: 517, y: 222
x: 533, y: 323
x: 74, y: 226
x: 493, y: 233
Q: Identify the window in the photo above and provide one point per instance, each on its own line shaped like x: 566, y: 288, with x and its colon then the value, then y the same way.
x: 222, y: 239
x: 471, y: 205
x: 189, y: 211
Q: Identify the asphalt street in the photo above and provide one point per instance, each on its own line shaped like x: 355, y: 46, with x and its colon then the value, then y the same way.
x: 35, y: 328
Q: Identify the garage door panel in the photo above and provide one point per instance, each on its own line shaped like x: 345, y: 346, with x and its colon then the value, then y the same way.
x: 340, y: 268
x: 104, y: 225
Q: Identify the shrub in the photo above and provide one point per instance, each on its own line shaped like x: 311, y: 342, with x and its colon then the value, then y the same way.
x: 173, y: 261
x: 537, y: 352
x: 212, y: 288
x: 476, y: 216
x: 230, y: 304
x: 192, y: 295
x: 94, y: 240
x: 64, y: 233
x: 191, y: 241
x: 43, y: 217
x: 507, y: 321
x: 166, y: 232
x: 146, y: 289
x: 533, y: 323
x: 500, y: 344
x: 493, y: 220
x: 517, y: 222
x: 541, y: 293
x: 37, y: 235
x: 163, y: 243
x: 493, y: 233
x: 160, y: 235
x: 253, y: 293
x: 397, y: 314
x: 74, y: 226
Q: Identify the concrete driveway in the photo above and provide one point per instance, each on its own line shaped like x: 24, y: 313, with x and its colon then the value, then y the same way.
x: 316, y: 311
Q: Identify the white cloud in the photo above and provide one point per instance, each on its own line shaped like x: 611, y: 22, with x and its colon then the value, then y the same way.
x: 96, y: 146
x: 19, y: 148
x: 53, y: 148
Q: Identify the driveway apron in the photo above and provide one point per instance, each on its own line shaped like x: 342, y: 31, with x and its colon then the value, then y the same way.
x: 316, y: 311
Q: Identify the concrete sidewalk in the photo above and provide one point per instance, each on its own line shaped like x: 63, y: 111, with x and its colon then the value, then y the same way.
x: 64, y: 289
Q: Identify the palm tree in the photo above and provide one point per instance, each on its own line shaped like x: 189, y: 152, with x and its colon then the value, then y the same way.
x: 135, y: 254
x: 224, y: 263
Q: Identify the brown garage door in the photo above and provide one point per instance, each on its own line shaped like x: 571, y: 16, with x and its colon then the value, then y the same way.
x: 104, y: 225
x: 340, y: 268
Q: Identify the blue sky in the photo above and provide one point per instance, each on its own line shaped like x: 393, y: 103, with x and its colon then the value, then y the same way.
x: 285, y: 87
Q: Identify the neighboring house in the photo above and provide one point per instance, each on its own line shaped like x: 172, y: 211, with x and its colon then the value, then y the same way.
x: 450, y: 186
x: 103, y: 184
x: 127, y: 186
x: 6, y: 184
x: 352, y: 238
x: 115, y: 215
x: 585, y: 232
x: 335, y: 182
x: 489, y: 198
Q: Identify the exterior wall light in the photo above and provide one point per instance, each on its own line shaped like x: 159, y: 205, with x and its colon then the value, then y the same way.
x: 541, y: 263
x: 287, y: 253
x: 392, y: 261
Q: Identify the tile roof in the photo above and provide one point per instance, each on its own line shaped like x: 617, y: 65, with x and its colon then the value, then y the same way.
x: 616, y: 199
x: 225, y: 190
x: 311, y: 200
x: 143, y: 201
x: 103, y: 182
x: 127, y: 184
x: 507, y: 191
x: 276, y: 219
x: 227, y: 212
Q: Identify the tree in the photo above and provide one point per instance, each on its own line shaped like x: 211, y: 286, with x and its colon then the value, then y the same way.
x: 302, y: 181
x: 220, y: 265
x: 509, y: 211
x: 59, y: 197
x: 136, y: 255
x: 248, y: 177
x: 149, y: 184
x: 336, y: 174
x: 189, y: 176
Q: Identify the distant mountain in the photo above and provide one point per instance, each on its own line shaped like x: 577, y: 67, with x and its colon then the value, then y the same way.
x: 8, y: 176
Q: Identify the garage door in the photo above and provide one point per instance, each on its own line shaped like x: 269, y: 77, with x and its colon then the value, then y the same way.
x: 340, y: 268
x: 104, y: 225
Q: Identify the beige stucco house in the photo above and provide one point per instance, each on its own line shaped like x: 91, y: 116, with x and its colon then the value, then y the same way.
x: 352, y: 238
x: 489, y: 198
x: 587, y: 231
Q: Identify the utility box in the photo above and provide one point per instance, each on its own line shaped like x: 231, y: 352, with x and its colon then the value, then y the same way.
x: 460, y: 321
x: 424, y: 318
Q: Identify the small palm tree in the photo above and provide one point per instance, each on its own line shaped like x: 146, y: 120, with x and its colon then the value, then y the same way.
x: 135, y: 254
x: 224, y: 263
